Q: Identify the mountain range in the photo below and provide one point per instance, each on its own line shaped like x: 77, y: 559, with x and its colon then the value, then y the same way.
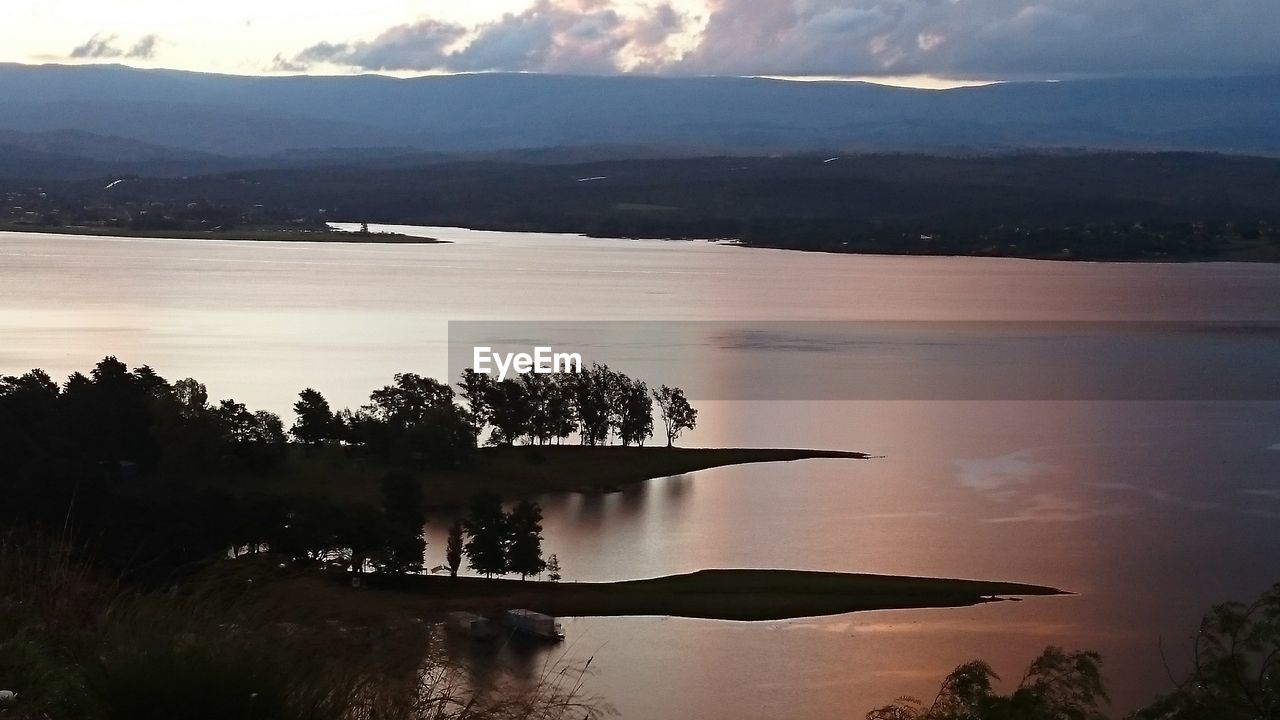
x: 89, y: 120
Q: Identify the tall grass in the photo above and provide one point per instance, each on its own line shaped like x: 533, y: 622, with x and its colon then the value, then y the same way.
x: 74, y: 646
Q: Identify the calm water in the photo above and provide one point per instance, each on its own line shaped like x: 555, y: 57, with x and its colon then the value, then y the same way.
x: 1150, y: 511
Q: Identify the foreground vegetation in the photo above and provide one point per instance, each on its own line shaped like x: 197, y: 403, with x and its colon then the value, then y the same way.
x: 1235, y: 675
x: 74, y: 646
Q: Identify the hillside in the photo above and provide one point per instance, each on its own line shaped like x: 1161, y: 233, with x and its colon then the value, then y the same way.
x: 255, y: 116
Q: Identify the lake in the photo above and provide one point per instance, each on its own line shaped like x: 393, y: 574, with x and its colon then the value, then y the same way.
x: 1148, y: 510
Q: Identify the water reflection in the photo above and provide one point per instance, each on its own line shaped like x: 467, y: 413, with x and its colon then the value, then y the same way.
x: 1149, y: 511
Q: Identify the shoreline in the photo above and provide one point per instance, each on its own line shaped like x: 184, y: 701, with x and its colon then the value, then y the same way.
x: 1251, y: 256
x: 246, y: 235
x: 514, y: 472
x: 739, y: 595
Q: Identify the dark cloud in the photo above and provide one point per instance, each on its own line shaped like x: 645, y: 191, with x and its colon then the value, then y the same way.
x: 980, y: 38
x: 587, y: 36
x: 998, y: 38
x: 105, y: 46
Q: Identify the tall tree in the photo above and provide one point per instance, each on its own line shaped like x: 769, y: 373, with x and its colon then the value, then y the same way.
x: 635, y: 413
x: 511, y: 411
x: 486, y: 526
x: 475, y: 389
x: 593, y: 395
x: 315, y: 423
x: 109, y: 414
x: 192, y: 397
x: 677, y: 414
x: 524, y: 540
x: 560, y: 410
x: 453, y: 550
x: 405, y: 518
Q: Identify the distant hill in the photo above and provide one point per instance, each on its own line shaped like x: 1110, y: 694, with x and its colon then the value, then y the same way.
x: 1156, y: 206
x: 235, y: 116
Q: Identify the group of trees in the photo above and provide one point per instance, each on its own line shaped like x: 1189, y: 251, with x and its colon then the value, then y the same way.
x: 597, y: 404
x: 421, y: 418
x: 125, y: 421
x: 413, y: 420
x: 129, y: 460
x: 498, y: 541
x: 387, y: 538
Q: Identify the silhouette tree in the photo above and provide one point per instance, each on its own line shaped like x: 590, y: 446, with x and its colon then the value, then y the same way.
x: 192, y: 397
x: 593, y: 396
x: 412, y: 400
x: 561, y: 413
x: 553, y: 568
x: 453, y: 550
x: 538, y: 391
x: 677, y: 414
x: 236, y: 422
x: 524, y: 540
x: 475, y: 389
x: 315, y: 423
x: 108, y: 416
x: 1058, y: 686
x: 511, y: 412
x: 635, y: 413
x: 402, y: 509
x: 1236, y: 666
x: 486, y: 526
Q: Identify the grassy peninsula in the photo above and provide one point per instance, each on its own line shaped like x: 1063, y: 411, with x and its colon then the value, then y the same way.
x: 721, y: 594
x: 710, y: 594
x: 511, y: 471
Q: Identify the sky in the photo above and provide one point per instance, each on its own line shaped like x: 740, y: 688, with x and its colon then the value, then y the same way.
x: 924, y: 42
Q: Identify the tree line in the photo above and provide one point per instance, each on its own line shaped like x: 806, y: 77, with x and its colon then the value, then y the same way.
x: 122, y: 457
x: 599, y: 405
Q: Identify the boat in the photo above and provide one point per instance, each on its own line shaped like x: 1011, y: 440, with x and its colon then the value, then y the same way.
x: 533, y: 624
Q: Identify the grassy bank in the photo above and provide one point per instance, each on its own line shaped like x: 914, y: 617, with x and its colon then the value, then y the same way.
x: 715, y: 594
x: 271, y: 234
x: 513, y: 472
x: 710, y: 594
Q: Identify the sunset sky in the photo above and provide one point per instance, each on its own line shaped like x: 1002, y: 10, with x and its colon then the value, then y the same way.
x: 978, y: 39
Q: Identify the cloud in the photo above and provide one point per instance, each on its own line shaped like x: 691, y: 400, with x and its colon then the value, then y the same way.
x: 986, y: 38
x: 580, y: 36
x: 959, y: 38
x: 105, y: 46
